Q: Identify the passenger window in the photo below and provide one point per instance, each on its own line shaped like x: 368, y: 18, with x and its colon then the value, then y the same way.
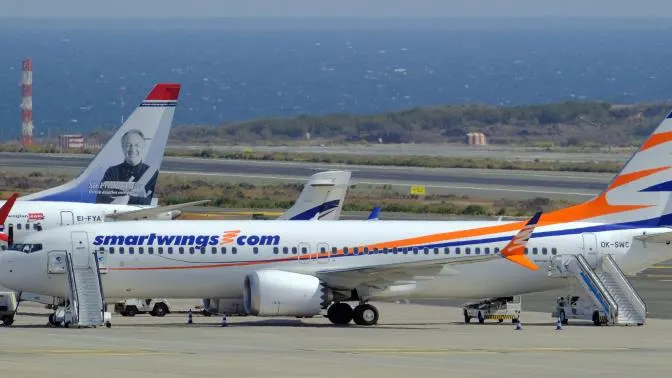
x: 111, y: 250
x: 214, y: 250
x: 487, y: 250
x: 334, y: 250
x: 223, y: 250
x: 345, y: 250
x: 526, y: 250
x: 355, y: 250
x: 496, y: 249
x: 323, y: 250
x: 446, y: 251
x: 467, y: 250
x: 285, y: 250
x: 554, y: 251
x: 131, y: 250
x: 436, y: 251
x: 170, y: 250
x: 18, y: 226
x: 426, y: 250
x: 191, y: 250
x: 181, y: 250
x: 121, y: 250
x: 366, y: 250
x: 304, y: 250
x: 478, y: 250
x: 544, y: 251
x: 234, y: 250
x: 415, y: 250
x: 255, y: 250
x: 405, y: 250
x: 385, y: 250
x: 457, y: 250
x: 395, y: 250
x: 534, y: 251
x: 141, y: 250
x: 150, y: 250
x: 160, y: 250
x: 275, y: 250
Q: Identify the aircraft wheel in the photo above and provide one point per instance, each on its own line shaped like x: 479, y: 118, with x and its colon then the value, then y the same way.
x: 365, y: 314
x: 340, y: 313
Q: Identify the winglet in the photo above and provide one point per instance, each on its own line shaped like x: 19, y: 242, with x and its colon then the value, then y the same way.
x: 4, y: 213
x: 515, y: 250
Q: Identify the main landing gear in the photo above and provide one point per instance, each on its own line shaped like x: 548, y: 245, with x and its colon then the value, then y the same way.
x: 341, y: 313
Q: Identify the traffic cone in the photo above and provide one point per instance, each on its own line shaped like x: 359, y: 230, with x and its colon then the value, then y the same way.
x: 224, y: 323
x: 189, y: 318
x: 519, y: 325
x: 558, y: 325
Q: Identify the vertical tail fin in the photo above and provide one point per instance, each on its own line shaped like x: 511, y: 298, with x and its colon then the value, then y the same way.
x: 322, y: 197
x: 4, y: 213
x: 640, y: 193
x: 126, y: 169
x: 375, y: 213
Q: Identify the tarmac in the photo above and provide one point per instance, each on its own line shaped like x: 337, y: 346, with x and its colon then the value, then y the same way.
x: 410, y: 340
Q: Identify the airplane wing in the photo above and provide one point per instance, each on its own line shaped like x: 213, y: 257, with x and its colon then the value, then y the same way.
x: 380, y: 276
x: 152, y: 212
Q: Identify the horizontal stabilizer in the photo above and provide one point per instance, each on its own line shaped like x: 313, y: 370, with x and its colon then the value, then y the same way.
x: 663, y: 237
x: 152, y: 212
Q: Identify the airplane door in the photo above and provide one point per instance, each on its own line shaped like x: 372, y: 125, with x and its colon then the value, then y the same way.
x: 80, y: 249
x: 324, y: 253
x: 67, y: 218
x: 56, y: 262
x: 590, y: 249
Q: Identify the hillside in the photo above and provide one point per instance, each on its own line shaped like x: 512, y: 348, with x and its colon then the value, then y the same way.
x: 569, y: 123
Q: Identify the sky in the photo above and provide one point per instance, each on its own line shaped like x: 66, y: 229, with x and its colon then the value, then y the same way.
x: 332, y: 8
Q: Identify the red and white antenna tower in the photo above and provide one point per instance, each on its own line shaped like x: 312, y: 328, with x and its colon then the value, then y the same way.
x: 26, y: 102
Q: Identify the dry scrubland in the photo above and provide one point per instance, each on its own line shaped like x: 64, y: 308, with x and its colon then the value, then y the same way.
x: 176, y: 189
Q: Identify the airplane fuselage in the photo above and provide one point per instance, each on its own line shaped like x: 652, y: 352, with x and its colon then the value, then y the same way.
x: 28, y: 217
x: 197, y: 259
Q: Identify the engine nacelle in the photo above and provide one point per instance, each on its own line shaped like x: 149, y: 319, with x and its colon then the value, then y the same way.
x: 279, y: 293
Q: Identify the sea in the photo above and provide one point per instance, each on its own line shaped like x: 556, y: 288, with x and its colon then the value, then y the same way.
x: 90, y: 74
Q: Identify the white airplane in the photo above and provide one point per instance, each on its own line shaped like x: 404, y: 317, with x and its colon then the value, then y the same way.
x: 118, y: 184
x: 278, y: 268
x: 321, y: 199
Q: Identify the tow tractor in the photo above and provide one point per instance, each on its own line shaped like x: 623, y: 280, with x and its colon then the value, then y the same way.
x: 573, y: 307
x: 498, y: 308
x: 133, y: 306
x: 8, y: 306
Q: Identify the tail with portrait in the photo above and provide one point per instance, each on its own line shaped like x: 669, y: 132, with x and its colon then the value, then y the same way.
x: 126, y: 168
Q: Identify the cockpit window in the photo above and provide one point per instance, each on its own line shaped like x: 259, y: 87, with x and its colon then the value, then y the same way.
x: 26, y: 248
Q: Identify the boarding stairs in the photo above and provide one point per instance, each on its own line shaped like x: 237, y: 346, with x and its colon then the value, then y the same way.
x: 607, y: 286
x: 85, y: 305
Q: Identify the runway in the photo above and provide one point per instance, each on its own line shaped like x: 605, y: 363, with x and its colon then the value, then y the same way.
x: 485, y: 183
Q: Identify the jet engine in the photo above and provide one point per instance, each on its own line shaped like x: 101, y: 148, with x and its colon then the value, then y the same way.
x: 279, y: 293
